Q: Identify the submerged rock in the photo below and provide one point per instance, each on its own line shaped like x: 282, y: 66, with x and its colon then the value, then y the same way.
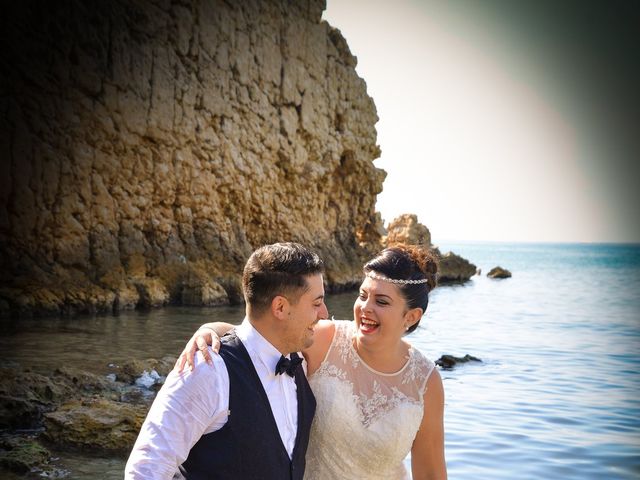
x: 450, y: 361
x: 69, y: 407
x: 26, y: 395
x: 85, y: 383
x: 22, y: 454
x: 130, y: 371
x: 499, y: 272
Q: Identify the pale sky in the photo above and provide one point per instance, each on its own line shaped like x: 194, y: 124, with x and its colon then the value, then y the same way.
x: 500, y: 123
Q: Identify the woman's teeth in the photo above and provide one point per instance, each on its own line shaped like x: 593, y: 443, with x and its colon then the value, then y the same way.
x: 368, y: 325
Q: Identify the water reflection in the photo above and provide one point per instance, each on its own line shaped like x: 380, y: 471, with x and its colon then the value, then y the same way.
x: 93, y: 342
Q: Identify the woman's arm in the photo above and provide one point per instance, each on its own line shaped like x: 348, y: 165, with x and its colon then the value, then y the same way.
x: 427, y: 453
x: 210, y: 333
x: 207, y: 334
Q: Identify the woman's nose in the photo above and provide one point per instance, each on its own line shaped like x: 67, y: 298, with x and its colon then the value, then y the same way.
x: 366, y: 305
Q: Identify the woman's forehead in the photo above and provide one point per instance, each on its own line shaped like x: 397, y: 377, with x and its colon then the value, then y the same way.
x: 379, y: 287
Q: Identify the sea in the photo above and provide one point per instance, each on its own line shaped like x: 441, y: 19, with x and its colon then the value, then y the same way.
x: 556, y: 394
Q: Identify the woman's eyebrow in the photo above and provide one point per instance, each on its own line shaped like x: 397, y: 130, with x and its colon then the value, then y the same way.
x: 382, y: 295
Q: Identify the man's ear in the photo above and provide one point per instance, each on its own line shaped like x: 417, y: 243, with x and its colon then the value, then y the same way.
x: 280, y: 307
x: 412, y: 317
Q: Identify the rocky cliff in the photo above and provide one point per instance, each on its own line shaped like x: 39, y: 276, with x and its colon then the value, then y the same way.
x: 148, y: 147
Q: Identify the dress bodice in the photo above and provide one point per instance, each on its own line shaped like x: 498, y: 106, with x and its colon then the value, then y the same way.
x: 365, y: 420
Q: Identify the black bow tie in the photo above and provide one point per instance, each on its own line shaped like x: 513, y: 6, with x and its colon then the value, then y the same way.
x: 289, y: 366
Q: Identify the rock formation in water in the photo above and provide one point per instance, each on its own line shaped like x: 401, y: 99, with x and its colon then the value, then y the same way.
x: 407, y: 229
x: 454, y: 268
x: 70, y: 408
x: 499, y: 272
x: 449, y: 361
x: 148, y: 147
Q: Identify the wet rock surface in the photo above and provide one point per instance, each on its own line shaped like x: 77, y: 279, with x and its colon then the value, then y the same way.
x: 132, y: 370
x: 72, y: 409
x: 22, y: 454
x: 454, y: 268
x: 450, y: 361
x: 95, y: 423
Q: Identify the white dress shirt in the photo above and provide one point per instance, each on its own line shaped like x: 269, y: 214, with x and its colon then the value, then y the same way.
x: 194, y: 403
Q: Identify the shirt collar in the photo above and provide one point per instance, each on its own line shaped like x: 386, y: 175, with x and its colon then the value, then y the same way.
x: 258, y: 346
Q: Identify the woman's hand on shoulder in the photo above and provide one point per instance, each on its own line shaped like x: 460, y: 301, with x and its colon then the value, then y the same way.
x: 201, y: 339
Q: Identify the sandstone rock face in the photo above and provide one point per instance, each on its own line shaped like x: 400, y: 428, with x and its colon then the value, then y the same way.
x: 406, y: 229
x: 146, y: 148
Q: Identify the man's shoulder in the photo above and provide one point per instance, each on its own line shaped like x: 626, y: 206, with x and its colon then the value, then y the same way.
x: 201, y: 371
x: 231, y: 342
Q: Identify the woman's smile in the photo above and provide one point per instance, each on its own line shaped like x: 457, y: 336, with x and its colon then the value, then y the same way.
x: 368, y: 326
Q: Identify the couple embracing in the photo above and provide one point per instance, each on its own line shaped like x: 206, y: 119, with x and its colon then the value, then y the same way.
x: 352, y: 407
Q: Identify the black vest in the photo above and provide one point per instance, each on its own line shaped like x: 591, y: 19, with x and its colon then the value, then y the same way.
x: 249, y: 446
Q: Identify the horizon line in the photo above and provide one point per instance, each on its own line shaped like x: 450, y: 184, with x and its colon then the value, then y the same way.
x: 538, y: 242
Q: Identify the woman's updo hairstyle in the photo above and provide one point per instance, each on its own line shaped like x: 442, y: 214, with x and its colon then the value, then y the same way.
x: 408, y: 262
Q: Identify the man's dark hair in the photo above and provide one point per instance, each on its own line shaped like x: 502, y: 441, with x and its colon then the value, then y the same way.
x: 278, y: 269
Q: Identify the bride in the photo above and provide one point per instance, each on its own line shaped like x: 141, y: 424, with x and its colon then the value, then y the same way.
x: 377, y: 397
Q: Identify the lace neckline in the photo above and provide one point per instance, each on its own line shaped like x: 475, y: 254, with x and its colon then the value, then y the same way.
x: 373, y: 370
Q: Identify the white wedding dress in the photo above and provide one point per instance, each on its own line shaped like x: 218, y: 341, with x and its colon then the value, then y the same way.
x: 365, y: 421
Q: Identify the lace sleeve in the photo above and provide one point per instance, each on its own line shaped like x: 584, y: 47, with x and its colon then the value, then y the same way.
x: 426, y: 367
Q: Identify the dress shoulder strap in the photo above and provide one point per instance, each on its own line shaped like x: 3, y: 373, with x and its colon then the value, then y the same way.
x: 419, y: 370
x: 340, y: 344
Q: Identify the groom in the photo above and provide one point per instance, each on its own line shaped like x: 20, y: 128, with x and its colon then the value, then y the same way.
x: 248, y: 415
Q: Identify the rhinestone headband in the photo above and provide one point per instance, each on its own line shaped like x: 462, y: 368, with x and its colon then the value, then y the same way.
x: 377, y: 276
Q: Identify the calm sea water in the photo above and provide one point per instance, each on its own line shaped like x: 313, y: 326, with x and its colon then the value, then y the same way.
x: 557, y: 395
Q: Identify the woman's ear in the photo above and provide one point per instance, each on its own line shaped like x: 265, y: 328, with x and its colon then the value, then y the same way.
x: 412, y: 317
x: 280, y: 307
